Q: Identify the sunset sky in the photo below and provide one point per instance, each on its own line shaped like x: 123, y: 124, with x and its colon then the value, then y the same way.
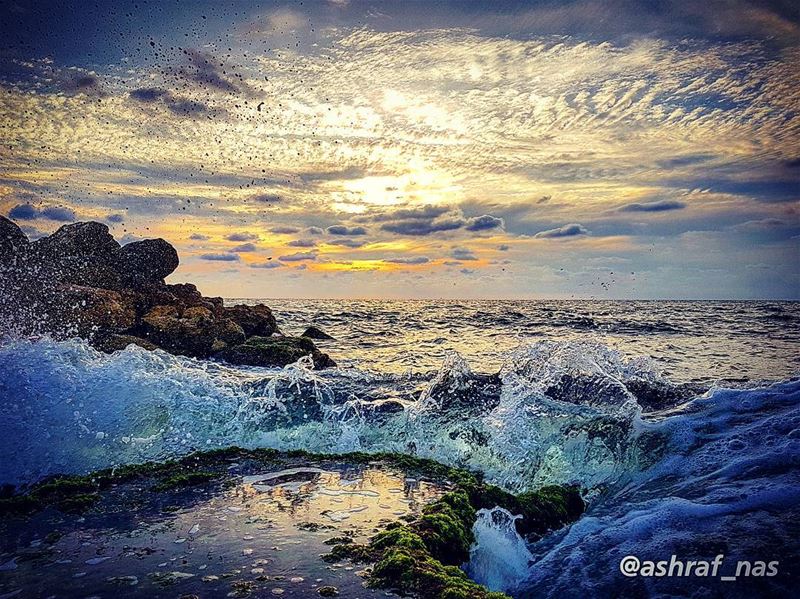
x: 417, y: 149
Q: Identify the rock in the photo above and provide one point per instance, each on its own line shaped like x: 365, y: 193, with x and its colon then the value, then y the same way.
x: 86, y: 310
x: 328, y: 591
x: 191, y: 336
x: 254, y: 320
x: 229, y: 332
x: 147, y: 260
x: 12, y: 242
x: 80, y: 253
x: 274, y: 351
x: 79, y: 240
x: 114, y: 342
x: 313, y: 332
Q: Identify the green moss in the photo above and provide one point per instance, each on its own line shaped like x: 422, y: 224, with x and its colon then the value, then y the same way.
x: 180, y: 481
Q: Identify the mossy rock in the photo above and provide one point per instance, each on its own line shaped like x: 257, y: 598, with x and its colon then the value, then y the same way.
x: 274, y: 351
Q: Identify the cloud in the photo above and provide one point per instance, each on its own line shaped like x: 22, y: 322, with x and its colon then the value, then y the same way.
x: 460, y: 253
x: 659, y: 206
x: 28, y: 212
x: 115, y: 218
x: 207, y: 71
x: 343, y: 230
x: 242, y: 236
x: 299, y: 257
x: 315, y: 231
x: 245, y: 247
x: 199, y: 237
x: 284, y: 230
x: 483, y: 223
x: 409, y: 260
x: 220, y: 257
x: 503, y: 247
x: 148, y: 94
x: 350, y: 243
x: 302, y: 243
x: 571, y: 230
x: 267, y: 198
x: 268, y: 265
x: 422, y: 221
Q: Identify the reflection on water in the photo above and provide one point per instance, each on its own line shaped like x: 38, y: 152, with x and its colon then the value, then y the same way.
x: 263, y: 536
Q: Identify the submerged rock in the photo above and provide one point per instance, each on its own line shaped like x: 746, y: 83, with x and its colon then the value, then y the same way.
x: 313, y: 332
x: 275, y: 351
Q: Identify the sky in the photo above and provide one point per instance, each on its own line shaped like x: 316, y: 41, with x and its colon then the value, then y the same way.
x: 409, y: 149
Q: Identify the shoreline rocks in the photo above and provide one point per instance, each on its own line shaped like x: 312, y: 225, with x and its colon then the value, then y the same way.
x: 81, y: 282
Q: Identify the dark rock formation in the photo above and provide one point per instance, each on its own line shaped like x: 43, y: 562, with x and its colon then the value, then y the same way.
x: 80, y: 282
x: 12, y: 241
x: 274, y: 351
x: 313, y: 332
x: 254, y: 320
x: 150, y: 260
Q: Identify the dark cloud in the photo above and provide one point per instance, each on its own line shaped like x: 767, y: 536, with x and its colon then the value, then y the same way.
x: 463, y: 254
x: 350, y: 243
x: 299, y: 257
x: 148, y: 94
x: 241, y: 236
x: 284, y: 230
x: 183, y: 107
x: 199, y: 237
x: 267, y: 265
x: 315, y: 231
x: 245, y: 247
x: 571, y: 230
x: 410, y: 260
x: 28, y: 212
x: 23, y: 212
x: 115, y: 218
x: 343, y: 230
x: 503, y: 247
x: 267, y: 198
x: 207, y: 71
x: 659, y: 206
x: 302, y: 243
x: 483, y: 223
x: 220, y: 257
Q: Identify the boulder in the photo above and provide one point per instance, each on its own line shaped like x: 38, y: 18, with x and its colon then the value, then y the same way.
x: 255, y: 320
x: 80, y: 253
x: 275, y: 351
x: 12, y: 242
x: 90, y: 239
x: 189, y: 334
x: 313, y: 332
x: 149, y: 260
x: 84, y: 311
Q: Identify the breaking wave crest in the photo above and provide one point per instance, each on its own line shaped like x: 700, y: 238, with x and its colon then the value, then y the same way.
x: 555, y: 413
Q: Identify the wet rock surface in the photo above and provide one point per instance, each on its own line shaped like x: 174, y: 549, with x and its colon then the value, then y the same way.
x: 230, y: 523
x: 80, y: 282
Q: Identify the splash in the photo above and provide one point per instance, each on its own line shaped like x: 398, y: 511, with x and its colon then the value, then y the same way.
x: 69, y: 408
x: 499, y: 557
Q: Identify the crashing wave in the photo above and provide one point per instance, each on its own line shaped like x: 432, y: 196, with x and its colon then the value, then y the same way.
x: 69, y: 408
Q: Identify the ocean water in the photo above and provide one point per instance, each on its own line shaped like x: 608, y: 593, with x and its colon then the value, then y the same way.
x: 709, y: 467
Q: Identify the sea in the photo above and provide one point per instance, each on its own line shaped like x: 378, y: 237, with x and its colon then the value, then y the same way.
x: 714, y: 471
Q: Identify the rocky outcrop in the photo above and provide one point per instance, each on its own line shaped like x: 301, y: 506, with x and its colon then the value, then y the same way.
x: 80, y: 282
x: 275, y: 351
x: 313, y: 332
